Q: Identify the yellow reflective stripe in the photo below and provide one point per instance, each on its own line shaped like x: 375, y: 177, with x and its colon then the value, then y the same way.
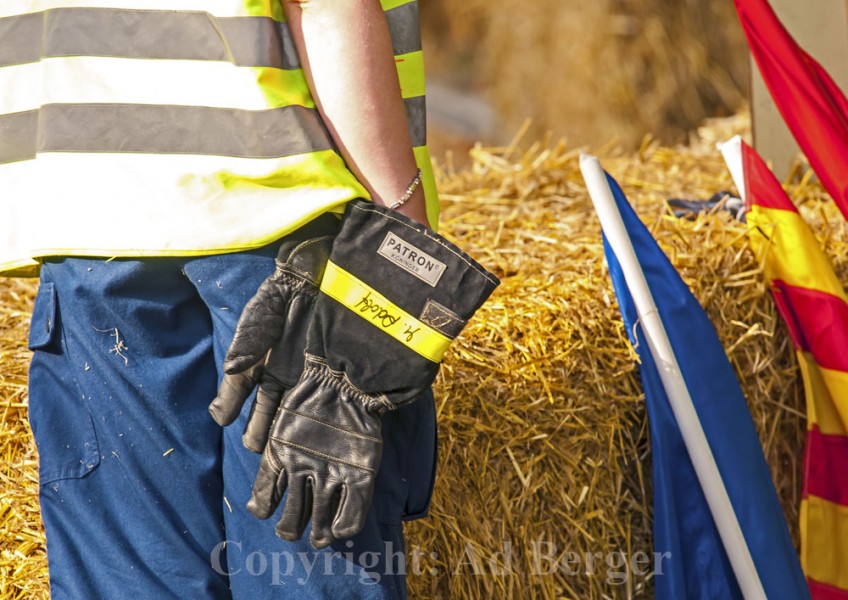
x: 383, y: 314
x: 232, y: 8
x: 390, y: 4
x: 20, y: 268
x: 88, y: 80
x: 794, y: 254
x: 428, y: 182
x: 410, y: 68
x: 824, y: 529
x: 826, y: 391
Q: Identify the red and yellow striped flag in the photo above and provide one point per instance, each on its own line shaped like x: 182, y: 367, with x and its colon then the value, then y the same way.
x: 814, y: 306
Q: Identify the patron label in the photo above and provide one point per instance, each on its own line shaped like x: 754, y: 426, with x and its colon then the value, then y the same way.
x: 411, y: 259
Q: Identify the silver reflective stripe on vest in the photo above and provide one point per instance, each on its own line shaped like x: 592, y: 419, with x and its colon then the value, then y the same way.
x: 18, y: 136
x: 175, y: 35
x: 416, y: 118
x: 173, y: 130
x: 243, y: 41
x: 404, y: 28
x: 20, y: 39
x: 170, y: 130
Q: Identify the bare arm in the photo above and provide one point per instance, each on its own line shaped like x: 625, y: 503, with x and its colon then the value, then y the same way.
x: 346, y: 53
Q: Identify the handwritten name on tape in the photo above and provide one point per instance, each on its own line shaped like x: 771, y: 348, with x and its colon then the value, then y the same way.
x: 383, y: 313
x: 384, y: 316
x: 411, y: 259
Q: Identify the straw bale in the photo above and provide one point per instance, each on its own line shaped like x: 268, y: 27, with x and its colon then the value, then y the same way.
x: 22, y: 558
x: 543, y: 430
x: 590, y: 70
x: 543, y: 434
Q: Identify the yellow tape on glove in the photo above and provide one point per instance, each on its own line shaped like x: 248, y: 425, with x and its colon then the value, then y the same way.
x: 381, y: 312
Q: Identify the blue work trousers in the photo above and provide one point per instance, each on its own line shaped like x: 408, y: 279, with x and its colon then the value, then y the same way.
x: 141, y: 493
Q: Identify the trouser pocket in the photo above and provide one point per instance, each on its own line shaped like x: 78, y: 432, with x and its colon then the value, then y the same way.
x: 60, y: 421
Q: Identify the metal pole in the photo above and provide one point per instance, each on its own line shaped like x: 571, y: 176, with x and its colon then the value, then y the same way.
x: 675, y: 387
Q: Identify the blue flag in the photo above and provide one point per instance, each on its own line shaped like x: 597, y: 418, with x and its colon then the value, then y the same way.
x: 698, y: 566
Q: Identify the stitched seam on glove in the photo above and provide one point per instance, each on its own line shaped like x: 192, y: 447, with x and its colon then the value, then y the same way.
x: 295, y: 279
x: 429, y: 236
x: 442, y: 318
x: 276, y: 465
x: 330, y: 425
x: 322, y: 455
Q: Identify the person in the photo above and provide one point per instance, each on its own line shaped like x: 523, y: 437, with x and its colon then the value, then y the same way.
x: 160, y: 160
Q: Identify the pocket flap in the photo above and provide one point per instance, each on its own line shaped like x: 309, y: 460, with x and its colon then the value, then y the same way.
x: 43, y: 322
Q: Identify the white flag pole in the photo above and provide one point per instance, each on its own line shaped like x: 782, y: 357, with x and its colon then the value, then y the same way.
x: 675, y: 387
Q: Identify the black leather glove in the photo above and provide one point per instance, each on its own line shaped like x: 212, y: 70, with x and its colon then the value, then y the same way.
x: 393, y: 296
x: 267, y: 348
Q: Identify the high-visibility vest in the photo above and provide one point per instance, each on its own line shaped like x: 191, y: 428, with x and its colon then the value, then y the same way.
x: 169, y: 128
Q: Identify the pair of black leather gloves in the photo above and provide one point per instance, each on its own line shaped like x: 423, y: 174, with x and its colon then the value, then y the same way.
x: 354, y: 322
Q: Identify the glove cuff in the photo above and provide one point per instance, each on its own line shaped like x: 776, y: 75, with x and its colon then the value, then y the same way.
x: 393, y: 297
x: 318, y: 368
x: 404, y: 278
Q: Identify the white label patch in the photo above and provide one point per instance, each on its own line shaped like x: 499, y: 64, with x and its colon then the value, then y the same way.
x: 411, y: 259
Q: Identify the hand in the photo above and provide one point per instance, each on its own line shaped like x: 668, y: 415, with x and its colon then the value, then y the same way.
x: 393, y: 296
x: 324, y: 449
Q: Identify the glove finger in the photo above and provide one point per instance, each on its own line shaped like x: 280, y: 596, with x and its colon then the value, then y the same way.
x: 232, y: 393
x: 355, y: 502
x: 326, y: 502
x: 297, y: 510
x: 262, y: 414
x: 261, y: 324
x: 269, y: 487
x: 285, y: 358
